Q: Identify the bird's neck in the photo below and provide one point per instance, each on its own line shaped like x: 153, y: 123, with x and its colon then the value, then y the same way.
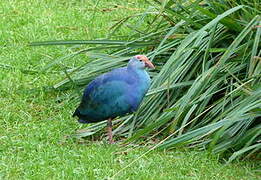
x: 137, y: 71
x: 142, y: 77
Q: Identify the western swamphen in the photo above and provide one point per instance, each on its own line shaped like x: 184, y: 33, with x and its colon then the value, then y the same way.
x: 115, y: 93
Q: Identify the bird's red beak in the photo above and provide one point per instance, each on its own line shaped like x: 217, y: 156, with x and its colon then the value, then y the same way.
x: 147, y: 62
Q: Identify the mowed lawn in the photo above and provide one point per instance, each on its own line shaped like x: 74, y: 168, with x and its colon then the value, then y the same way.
x: 33, y: 125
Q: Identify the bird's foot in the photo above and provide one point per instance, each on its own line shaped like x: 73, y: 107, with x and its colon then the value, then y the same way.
x: 111, y: 142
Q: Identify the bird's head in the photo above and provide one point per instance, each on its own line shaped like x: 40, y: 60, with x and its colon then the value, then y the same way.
x: 140, y: 62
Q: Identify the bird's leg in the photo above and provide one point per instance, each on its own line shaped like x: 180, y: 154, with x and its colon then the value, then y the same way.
x: 109, y: 125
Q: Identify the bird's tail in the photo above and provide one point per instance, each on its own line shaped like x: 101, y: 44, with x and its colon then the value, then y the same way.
x: 82, y: 118
x: 76, y: 113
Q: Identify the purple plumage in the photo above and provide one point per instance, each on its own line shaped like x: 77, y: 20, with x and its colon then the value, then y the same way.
x: 115, y: 93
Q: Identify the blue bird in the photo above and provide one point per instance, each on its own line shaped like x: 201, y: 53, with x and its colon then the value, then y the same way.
x: 115, y: 93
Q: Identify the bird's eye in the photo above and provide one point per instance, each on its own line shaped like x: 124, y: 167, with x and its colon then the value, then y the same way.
x: 140, y: 60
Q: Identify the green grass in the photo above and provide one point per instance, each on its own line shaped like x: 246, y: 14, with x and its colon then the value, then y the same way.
x: 79, y: 161
x: 33, y: 126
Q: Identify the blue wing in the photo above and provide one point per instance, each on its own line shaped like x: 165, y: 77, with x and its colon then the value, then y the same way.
x: 108, y: 96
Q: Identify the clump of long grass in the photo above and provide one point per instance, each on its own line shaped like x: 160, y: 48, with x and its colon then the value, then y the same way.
x: 206, y: 90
